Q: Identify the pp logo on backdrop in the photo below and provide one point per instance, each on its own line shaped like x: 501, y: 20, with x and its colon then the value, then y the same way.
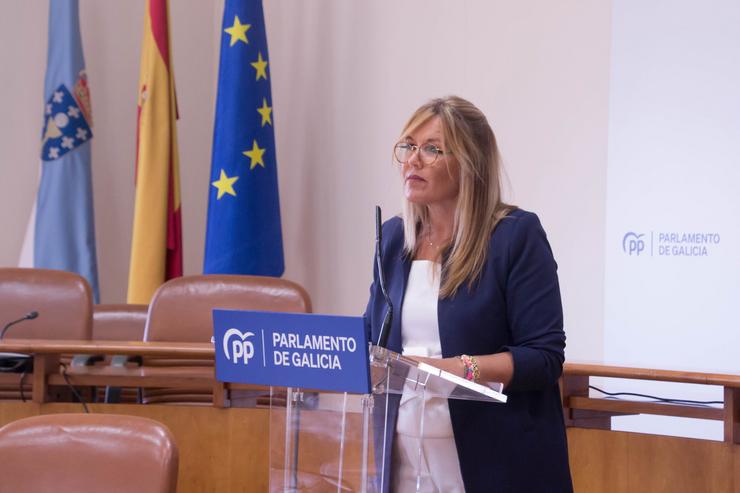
x: 633, y: 244
x: 241, y: 348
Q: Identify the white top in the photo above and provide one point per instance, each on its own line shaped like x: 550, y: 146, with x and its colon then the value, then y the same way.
x: 428, y: 455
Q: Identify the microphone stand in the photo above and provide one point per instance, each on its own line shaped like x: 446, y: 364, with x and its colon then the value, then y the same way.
x: 28, y: 316
x: 16, y: 362
x: 385, y: 328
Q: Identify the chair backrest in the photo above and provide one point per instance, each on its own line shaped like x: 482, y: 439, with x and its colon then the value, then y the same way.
x: 87, y: 452
x: 181, y: 309
x: 62, y: 299
x: 119, y: 322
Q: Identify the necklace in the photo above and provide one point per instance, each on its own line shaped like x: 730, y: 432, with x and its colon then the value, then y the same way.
x: 430, y: 242
x: 429, y: 237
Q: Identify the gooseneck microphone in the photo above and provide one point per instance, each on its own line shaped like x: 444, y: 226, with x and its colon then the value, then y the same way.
x: 385, y: 328
x: 28, y: 316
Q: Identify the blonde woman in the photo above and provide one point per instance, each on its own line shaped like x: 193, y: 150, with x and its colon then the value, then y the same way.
x: 477, y: 285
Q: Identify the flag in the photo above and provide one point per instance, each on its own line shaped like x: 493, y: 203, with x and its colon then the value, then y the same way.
x: 243, y: 234
x: 156, y: 244
x: 61, y: 232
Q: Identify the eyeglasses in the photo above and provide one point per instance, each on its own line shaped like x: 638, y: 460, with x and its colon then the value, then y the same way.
x: 428, y: 153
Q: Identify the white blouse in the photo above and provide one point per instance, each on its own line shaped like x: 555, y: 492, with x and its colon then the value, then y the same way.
x: 432, y: 457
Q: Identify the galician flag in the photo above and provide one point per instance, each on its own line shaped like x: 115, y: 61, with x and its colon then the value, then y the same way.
x: 61, y: 232
x: 243, y: 232
x: 156, y: 246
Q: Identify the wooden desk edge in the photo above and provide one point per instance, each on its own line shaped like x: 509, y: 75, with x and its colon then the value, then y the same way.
x: 195, y: 350
x: 595, y: 370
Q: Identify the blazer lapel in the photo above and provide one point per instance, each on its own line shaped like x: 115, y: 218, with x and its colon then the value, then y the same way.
x: 401, y: 268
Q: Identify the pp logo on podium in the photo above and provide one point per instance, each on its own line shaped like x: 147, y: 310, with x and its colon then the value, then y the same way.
x: 241, y: 347
x: 318, y: 352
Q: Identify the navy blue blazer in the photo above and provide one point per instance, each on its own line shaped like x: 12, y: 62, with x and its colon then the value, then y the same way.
x: 515, y: 306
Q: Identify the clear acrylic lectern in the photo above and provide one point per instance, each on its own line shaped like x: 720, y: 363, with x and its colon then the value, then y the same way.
x: 329, y: 442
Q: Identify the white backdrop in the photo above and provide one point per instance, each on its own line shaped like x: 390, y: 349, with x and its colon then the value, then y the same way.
x: 673, y: 208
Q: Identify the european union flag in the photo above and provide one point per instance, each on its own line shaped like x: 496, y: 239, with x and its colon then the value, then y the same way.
x: 243, y: 233
x: 61, y: 233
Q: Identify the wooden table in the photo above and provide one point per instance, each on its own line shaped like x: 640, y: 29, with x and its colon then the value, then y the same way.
x: 46, y: 356
x: 219, y: 444
x: 592, y: 412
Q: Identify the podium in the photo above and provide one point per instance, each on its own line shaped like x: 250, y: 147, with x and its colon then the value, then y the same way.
x: 331, y: 394
x: 335, y: 442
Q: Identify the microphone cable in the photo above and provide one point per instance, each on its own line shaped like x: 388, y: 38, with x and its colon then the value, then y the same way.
x: 655, y: 398
x: 20, y: 385
x: 72, y: 388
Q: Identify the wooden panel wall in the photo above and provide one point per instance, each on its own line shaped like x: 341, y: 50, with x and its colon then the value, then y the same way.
x: 226, y: 450
x: 619, y: 462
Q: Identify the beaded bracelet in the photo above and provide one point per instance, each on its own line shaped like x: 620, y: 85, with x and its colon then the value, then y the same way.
x: 472, y: 372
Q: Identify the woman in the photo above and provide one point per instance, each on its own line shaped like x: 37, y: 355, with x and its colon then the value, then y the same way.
x: 477, y: 285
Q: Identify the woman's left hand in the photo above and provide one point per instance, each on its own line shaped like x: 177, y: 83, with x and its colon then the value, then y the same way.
x: 497, y: 367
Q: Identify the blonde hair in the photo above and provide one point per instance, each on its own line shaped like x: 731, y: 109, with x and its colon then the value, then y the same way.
x: 470, y: 140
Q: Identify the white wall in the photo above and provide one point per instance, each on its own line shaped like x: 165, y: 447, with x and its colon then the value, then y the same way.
x: 345, y: 76
x: 673, y: 171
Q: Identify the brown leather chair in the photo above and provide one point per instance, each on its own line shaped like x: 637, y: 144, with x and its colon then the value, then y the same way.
x: 87, y: 452
x: 119, y: 322
x: 181, y: 311
x: 63, y: 301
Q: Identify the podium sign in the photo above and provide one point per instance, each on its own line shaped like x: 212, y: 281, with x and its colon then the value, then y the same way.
x: 321, y: 440
x: 319, y: 352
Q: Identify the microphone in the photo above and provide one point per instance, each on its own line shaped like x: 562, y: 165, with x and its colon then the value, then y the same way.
x: 385, y: 328
x: 28, y: 316
x: 15, y: 362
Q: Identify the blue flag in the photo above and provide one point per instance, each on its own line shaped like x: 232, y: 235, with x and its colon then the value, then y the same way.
x: 61, y: 233
x: 243, y: 233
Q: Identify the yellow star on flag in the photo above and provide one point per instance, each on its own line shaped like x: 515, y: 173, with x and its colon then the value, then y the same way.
x: 260, y: 66
x: 238, y: 31
x: 255, y: 155
x: 225, y: 185
x: 265, y: 112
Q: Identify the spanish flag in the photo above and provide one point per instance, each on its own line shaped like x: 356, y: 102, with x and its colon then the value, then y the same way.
x: 156, y: 245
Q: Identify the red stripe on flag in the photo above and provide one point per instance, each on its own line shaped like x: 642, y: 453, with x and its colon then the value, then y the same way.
x: 158, y: 15
x: 173, y: 265
x: 138, y: 132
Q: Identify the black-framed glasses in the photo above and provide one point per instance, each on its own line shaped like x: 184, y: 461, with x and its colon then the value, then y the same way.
x: 428, y: 153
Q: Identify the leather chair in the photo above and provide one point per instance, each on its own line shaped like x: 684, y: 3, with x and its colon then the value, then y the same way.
x: 119, y: 322
x: 63, y: 301
x: 181, y: 311
x: 87, y: 452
